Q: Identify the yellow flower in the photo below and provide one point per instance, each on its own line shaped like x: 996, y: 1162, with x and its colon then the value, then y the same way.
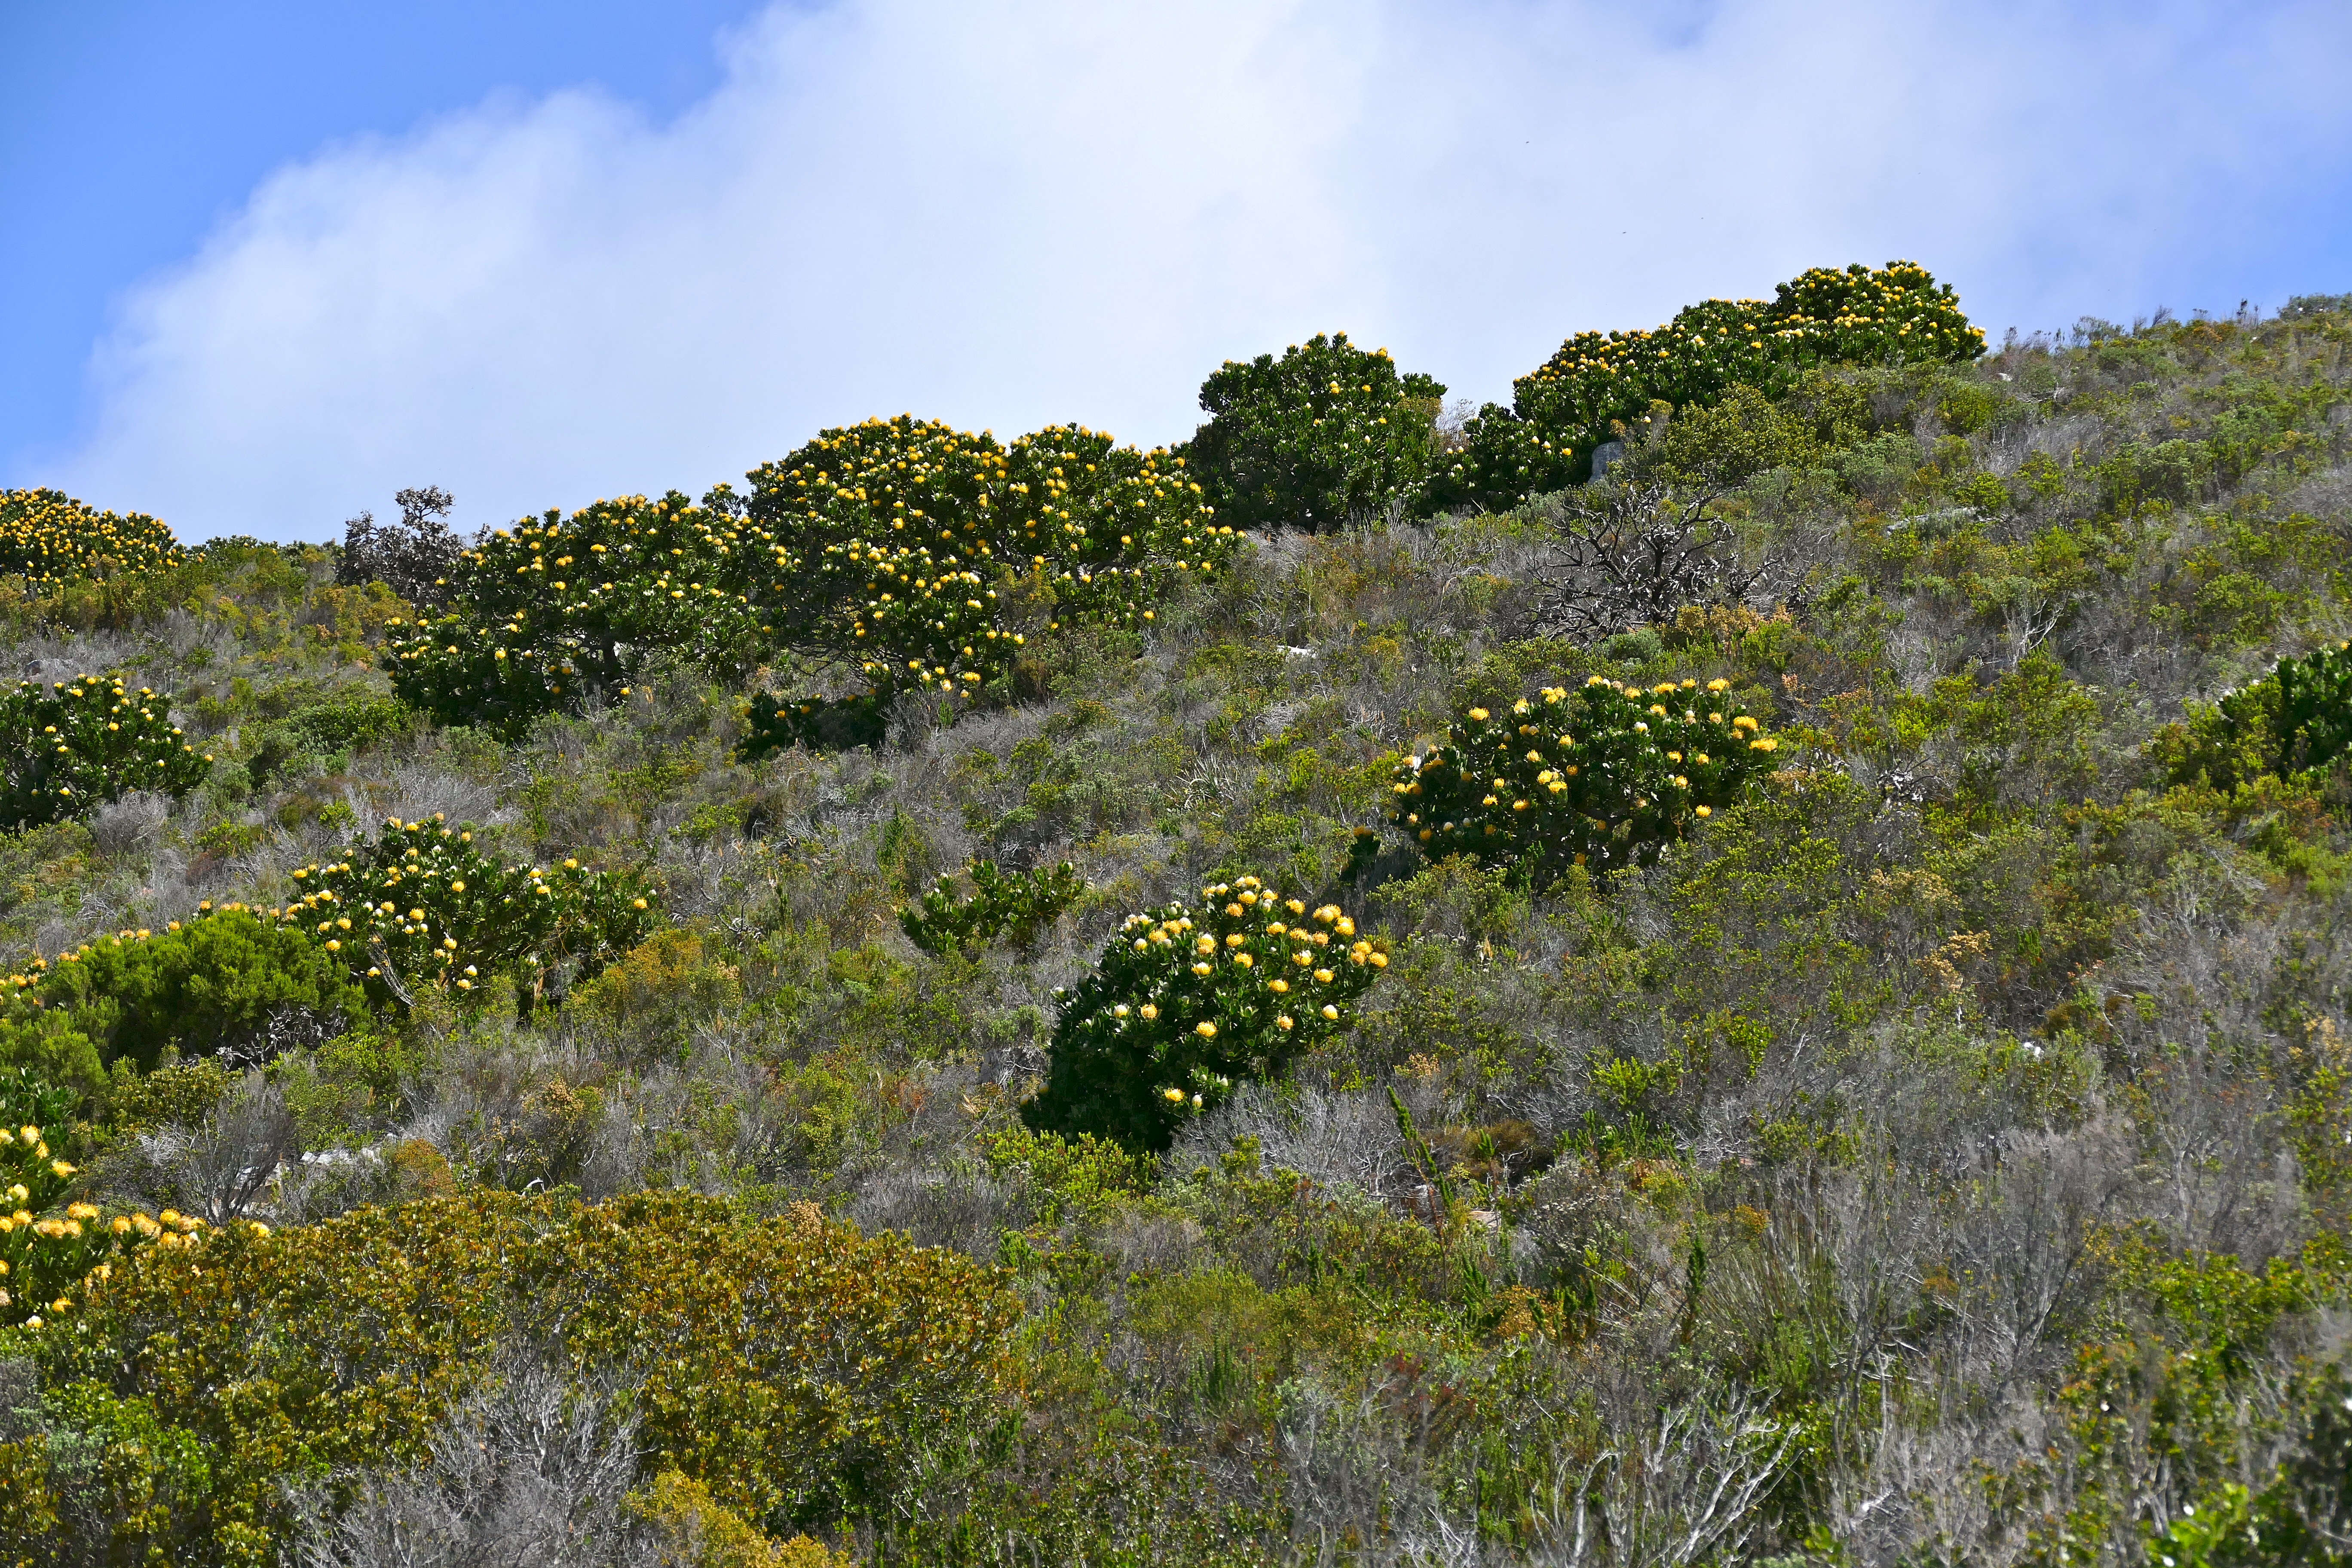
x: 1205, y: 1029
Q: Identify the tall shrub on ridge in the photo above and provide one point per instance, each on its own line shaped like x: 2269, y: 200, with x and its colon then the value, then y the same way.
x: 1325, y: 433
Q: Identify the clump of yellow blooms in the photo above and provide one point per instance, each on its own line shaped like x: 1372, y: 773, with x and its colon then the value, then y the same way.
x: 1191, y: 997
x: 1602, y: 777
x: 1896, y: 314
x: 932, y: 554
x: 915, y: 555
x: 68, y: 747
x: 46, y: 535
x: 422, y: 906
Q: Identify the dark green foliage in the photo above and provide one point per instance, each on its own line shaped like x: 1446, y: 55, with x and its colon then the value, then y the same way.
x: 2295, y: 719
x: 315, y: 735
x: 819, y: 723
x: 1604, y: 777
x: 213, y: 985
x: 1322, y: 436
x: 1018, y: 905
x: 1188, y: 1000
x: 2315, y: 709
x: 68, y: 748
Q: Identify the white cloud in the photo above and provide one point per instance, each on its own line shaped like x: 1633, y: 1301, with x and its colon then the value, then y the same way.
x: 1050, y: 209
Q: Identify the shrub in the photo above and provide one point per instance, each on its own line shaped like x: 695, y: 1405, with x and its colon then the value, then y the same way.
x: 1020, y: 905
x: 795, y: 1371
x: 68, y: 748
x: 898, y: 546
x: 214, y: 983
x: 1603, y: 777
x: 1892, y: 315
x: 422, y: 906
x: 45, y: 536
x: 560, y: 612
x: 413, y: 557
x: 315, y: 734
x: 2295, y: 719
x: 1323, y: 436
x: 1187, y: 999
x: 912, y: 548
x: 2315, y: 709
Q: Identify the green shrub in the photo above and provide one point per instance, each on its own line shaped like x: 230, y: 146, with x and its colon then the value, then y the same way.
x: 2295, y: 719
x: 318, y: 732
x: 68, y: 748
x: 214, y: 983
x: 421, y: 906
x: 1187, y: 999
x: 922, y: 552
x: 1603, y: 777
x: 1020, y: 905
x: 795, y: 1371
x: 46, y: 535
x: 1322, y: 436
x: 1897, y: 314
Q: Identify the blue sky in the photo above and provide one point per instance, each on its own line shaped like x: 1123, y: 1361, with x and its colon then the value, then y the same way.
x: 267, y: 263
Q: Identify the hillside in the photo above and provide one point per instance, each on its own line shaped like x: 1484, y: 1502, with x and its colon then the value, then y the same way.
x: 1786, y: 1003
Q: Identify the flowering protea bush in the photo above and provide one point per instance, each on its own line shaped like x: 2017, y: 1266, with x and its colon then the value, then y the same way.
x: 558, y: 611
x: 212, y: 983
x: 1018, y: 904
x: 1897, y: 314
x: 1322, y: 436
x: 422, y: 906
x: 1189, y: 999
x: 928, y: 554
x: 1603, y: 776
x: 54, y: 1251
x: 70, y: 747
x: 798, y: 1371
x: 46, y: 535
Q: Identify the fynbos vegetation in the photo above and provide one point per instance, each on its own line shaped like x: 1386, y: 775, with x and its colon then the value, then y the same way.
x: 1342, y: 994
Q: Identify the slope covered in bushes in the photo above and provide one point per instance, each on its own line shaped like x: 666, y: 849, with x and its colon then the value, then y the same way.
x: 1856, y: 1070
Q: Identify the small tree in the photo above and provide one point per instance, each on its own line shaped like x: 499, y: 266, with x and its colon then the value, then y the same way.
x: 413, y: 557
x: 1632, y: 555
x: 1190, y: 998
x: 1324, y: 434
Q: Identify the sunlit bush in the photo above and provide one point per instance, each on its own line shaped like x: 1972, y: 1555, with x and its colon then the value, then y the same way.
x: 557, y: 613
x: 793, y: 1370
x: 69, y: 748
x: 1897, y: 314
x: 928, y: 554
x: 1603, y: 776
x: 216, y: 981
x: 918, y: 555
x: 46, y: 535
x: 422, y: 906
x: 1323, y: 436
x: 1189, y: 999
